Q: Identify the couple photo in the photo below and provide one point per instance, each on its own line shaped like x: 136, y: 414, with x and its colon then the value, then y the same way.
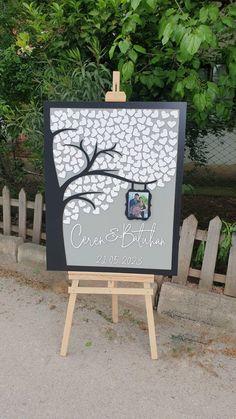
x: 138, y: 205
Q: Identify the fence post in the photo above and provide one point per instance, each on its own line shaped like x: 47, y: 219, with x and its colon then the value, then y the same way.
x: 210, y: 254
x: 38, y: 209
x: 187, y: 237
x: 6, y: 211
x: 22, y: 214
x: 230, y: 282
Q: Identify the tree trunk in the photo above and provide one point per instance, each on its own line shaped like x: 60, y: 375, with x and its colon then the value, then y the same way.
x: 56, y: 259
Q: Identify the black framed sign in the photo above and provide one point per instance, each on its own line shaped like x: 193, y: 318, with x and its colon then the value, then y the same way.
x: 113, y: 185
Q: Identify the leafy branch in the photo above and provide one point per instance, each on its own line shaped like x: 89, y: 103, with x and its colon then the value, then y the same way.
x: 80, y: 196
x: 90, y: 162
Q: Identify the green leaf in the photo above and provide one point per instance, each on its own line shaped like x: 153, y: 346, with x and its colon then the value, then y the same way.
x: 205, y: 33
x: 171, y: 75
x: 190, y: 82
x: 213, y: 12
x: 111, y: 51
x: 170, y: 12
x: 180, y: 88
x: 196, y: 63
x: 138, y: 48
x: 229, y: 21
x: 190, y: 43
x: 156, y: 58
x: 129, y: 26
x: 203, y: 14
x: 212, y: 90
x: 232, y: 69
x: 162, y: 24
x: 124, y: 46
x: 151, y: 3
x: 136, y: 18
x: 232, y: 9
x: 135, y: 4
x: 127, y: 70
x: 199, y: 101
x: 187, y: 4
x: 133, y: 55
x: 178, y: 33
x: 167, y: 33
x: 120, y: 64
x: 88, y: 344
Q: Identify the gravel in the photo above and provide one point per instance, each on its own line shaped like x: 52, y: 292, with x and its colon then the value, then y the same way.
x: 108, y: 372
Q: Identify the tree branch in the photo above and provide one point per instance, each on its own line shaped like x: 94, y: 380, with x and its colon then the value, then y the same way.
x: 88, y: 200
x: 78, y: 196
x: 113, y: 175
x: 103, y: 173
x: 81, y: 148
x: 89, y: 162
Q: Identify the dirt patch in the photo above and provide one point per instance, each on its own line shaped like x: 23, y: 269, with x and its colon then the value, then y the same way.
x: 20, y: 278
x: 192, y: 345
x: 57, y: 287
x: 207, y: 207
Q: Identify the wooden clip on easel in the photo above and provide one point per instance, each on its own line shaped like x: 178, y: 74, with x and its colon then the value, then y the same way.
x: 112, y: 278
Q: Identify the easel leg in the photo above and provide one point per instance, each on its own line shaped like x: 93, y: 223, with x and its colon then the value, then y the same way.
x: 112, y: 284
x: 151, y: 324
x: 68, y: 322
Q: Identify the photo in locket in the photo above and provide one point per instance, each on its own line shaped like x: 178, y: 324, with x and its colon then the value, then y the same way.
x: 138, y: 204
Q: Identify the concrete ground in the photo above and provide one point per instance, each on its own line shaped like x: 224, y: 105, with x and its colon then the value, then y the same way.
x: 108, y: 372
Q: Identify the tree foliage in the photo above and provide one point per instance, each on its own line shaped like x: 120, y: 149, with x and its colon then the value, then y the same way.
x: 165, y: 50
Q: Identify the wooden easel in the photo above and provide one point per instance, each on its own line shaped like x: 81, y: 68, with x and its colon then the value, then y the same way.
x: 112, y: 278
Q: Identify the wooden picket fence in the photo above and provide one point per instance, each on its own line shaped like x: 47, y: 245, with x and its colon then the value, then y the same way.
x: 35, y: 233
x: 189, y: 233
x: 206, y: 275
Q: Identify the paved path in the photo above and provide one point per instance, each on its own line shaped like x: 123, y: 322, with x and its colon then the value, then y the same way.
x: 108, y: 372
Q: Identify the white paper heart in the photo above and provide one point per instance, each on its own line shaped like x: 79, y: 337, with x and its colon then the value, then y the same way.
x: 166, y: 178
x: 160, y: 123
x: 171, y: 123
x: 165, y: 114
x: 173, y: 142
x: 172, y: 164
x: 67, y: 213
x: 91, y: 114
x: 152, y: 186
x: 66, y: 221
x: 147, y: 112
x: 160, y: 183
x: 172, y: 134
x: 104, y: 206
x: 163, y: 140
x: 175, y: 114
x: 62, y: 174
x: 168, y: 148
x: 130, y: 112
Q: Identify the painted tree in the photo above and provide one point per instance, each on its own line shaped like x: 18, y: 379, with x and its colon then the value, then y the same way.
x: 97, y: 152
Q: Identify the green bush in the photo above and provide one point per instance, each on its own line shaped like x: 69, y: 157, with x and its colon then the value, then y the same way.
x: 165, y: 50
